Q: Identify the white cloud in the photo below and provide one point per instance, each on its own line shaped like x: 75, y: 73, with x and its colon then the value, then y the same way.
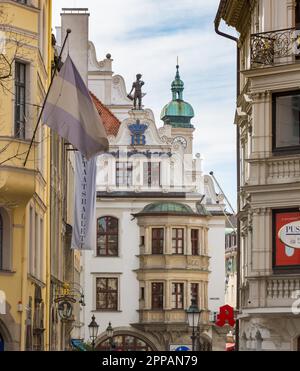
x: 146, y: 36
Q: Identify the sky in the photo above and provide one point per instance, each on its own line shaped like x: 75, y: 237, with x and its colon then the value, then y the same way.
x: 147, y: 36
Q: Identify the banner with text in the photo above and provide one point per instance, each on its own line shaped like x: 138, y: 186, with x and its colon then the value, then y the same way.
x: 84, y: 228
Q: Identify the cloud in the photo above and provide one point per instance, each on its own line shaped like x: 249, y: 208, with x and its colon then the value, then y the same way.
x: 147, y: 36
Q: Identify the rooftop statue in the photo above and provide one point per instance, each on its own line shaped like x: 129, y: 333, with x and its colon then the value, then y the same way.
x: 138, y: 95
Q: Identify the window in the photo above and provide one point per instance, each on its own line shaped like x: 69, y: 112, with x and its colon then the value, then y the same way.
x: 107, y: 294
x: 152, y: 174
x: 124, y: 172
x: 195, y: 242
x: 297, y: 17
x: 286, y: 121
x: 157, y: 241
x: 177, y: 295
x: 177, y: 241
x: 20, y: 96
x: 195, y: 292
x: 157, y: 295
x: 1, y: 242
x: 107, y: 236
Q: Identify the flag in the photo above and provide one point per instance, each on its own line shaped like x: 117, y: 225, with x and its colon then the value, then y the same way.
x: 70, y: 111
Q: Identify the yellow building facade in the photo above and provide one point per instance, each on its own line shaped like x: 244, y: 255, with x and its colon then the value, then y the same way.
x: 25, y: 58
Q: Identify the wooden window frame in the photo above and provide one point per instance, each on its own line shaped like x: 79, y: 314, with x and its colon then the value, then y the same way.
x: 107, y: 234
x: 157, y: 296
x: 157, y: 238
x: 106, y: 294
x: 176, y: 248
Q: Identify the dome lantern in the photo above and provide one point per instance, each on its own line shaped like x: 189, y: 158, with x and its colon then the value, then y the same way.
x: 178, y: 113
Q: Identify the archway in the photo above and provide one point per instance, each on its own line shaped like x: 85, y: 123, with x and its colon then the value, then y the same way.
x: 125, y: 342
x: 5, y: 338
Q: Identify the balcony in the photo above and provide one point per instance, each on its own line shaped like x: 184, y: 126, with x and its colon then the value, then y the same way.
x: 275, y: 47
x: 17, y: 183
x: 283, y: 170
x: 282, y: 292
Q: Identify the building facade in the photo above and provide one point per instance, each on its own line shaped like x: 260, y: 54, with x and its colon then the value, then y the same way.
x: 160, y: 225
x: 267, y: 118
x: 231, y: 267
x: 24, y: 190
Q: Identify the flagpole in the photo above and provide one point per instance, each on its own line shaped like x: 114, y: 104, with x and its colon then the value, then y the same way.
x: 45, y: 100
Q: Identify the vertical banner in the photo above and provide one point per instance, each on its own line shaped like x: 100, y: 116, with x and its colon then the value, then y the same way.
x: 287, y: 239
x: 83, y: 237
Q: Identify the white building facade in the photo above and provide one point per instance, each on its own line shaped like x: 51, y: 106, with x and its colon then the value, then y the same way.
x: 160, y: 224
x: 268, y: 120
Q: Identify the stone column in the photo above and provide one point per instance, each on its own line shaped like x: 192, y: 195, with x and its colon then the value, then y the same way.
x: 188, y: 249
x: 148, y: 241
x: 168, y: 240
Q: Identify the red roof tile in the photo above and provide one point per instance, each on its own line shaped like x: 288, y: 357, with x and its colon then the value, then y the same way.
x: 110, y: 121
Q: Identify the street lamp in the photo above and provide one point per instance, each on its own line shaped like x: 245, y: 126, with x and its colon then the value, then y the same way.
x: 193, y: 314
x: 93, y: 329
x: 110, y: 335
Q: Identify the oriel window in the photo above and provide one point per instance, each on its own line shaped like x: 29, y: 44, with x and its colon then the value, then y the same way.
x: 177, y: 295
x: 178, y: 241
x: 157, y: 241
x: 195, y: 292
x: 157, y: 295
x: 20, y: 97
x: 195, y: 241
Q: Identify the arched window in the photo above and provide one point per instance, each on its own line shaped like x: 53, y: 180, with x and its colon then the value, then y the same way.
x: 107, y: 236
x: 1, y: 242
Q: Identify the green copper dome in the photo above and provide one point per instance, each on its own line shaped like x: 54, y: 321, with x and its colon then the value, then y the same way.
x: 178, y: 113
x: 168, y: 208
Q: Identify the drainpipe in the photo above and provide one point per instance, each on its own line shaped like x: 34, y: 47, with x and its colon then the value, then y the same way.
x: 238, y: 151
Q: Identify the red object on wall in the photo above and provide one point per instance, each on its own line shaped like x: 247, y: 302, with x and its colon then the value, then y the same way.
x: 282, y: 259
x: 226, y: 316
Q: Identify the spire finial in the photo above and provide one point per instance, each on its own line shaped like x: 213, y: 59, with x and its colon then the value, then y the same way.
x: 177, y: 67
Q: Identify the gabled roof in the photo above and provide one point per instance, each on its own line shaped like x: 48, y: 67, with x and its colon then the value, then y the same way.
x: 110, y: 121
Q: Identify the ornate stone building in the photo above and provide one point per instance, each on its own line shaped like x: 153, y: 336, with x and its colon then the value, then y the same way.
x: 160, y: 226
x: 267, y: 118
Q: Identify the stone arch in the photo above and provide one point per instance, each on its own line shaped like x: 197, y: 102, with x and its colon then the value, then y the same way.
x: 128, y: 332
x: 205, y: 343
x: 5, y: 335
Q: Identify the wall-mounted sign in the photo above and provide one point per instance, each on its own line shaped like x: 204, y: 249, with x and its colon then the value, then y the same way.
x: 286, y: 236
x: 180, y: 348
x: 225, y: 316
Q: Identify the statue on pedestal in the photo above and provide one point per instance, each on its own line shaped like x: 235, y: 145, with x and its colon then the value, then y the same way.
x: 138, y: 95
